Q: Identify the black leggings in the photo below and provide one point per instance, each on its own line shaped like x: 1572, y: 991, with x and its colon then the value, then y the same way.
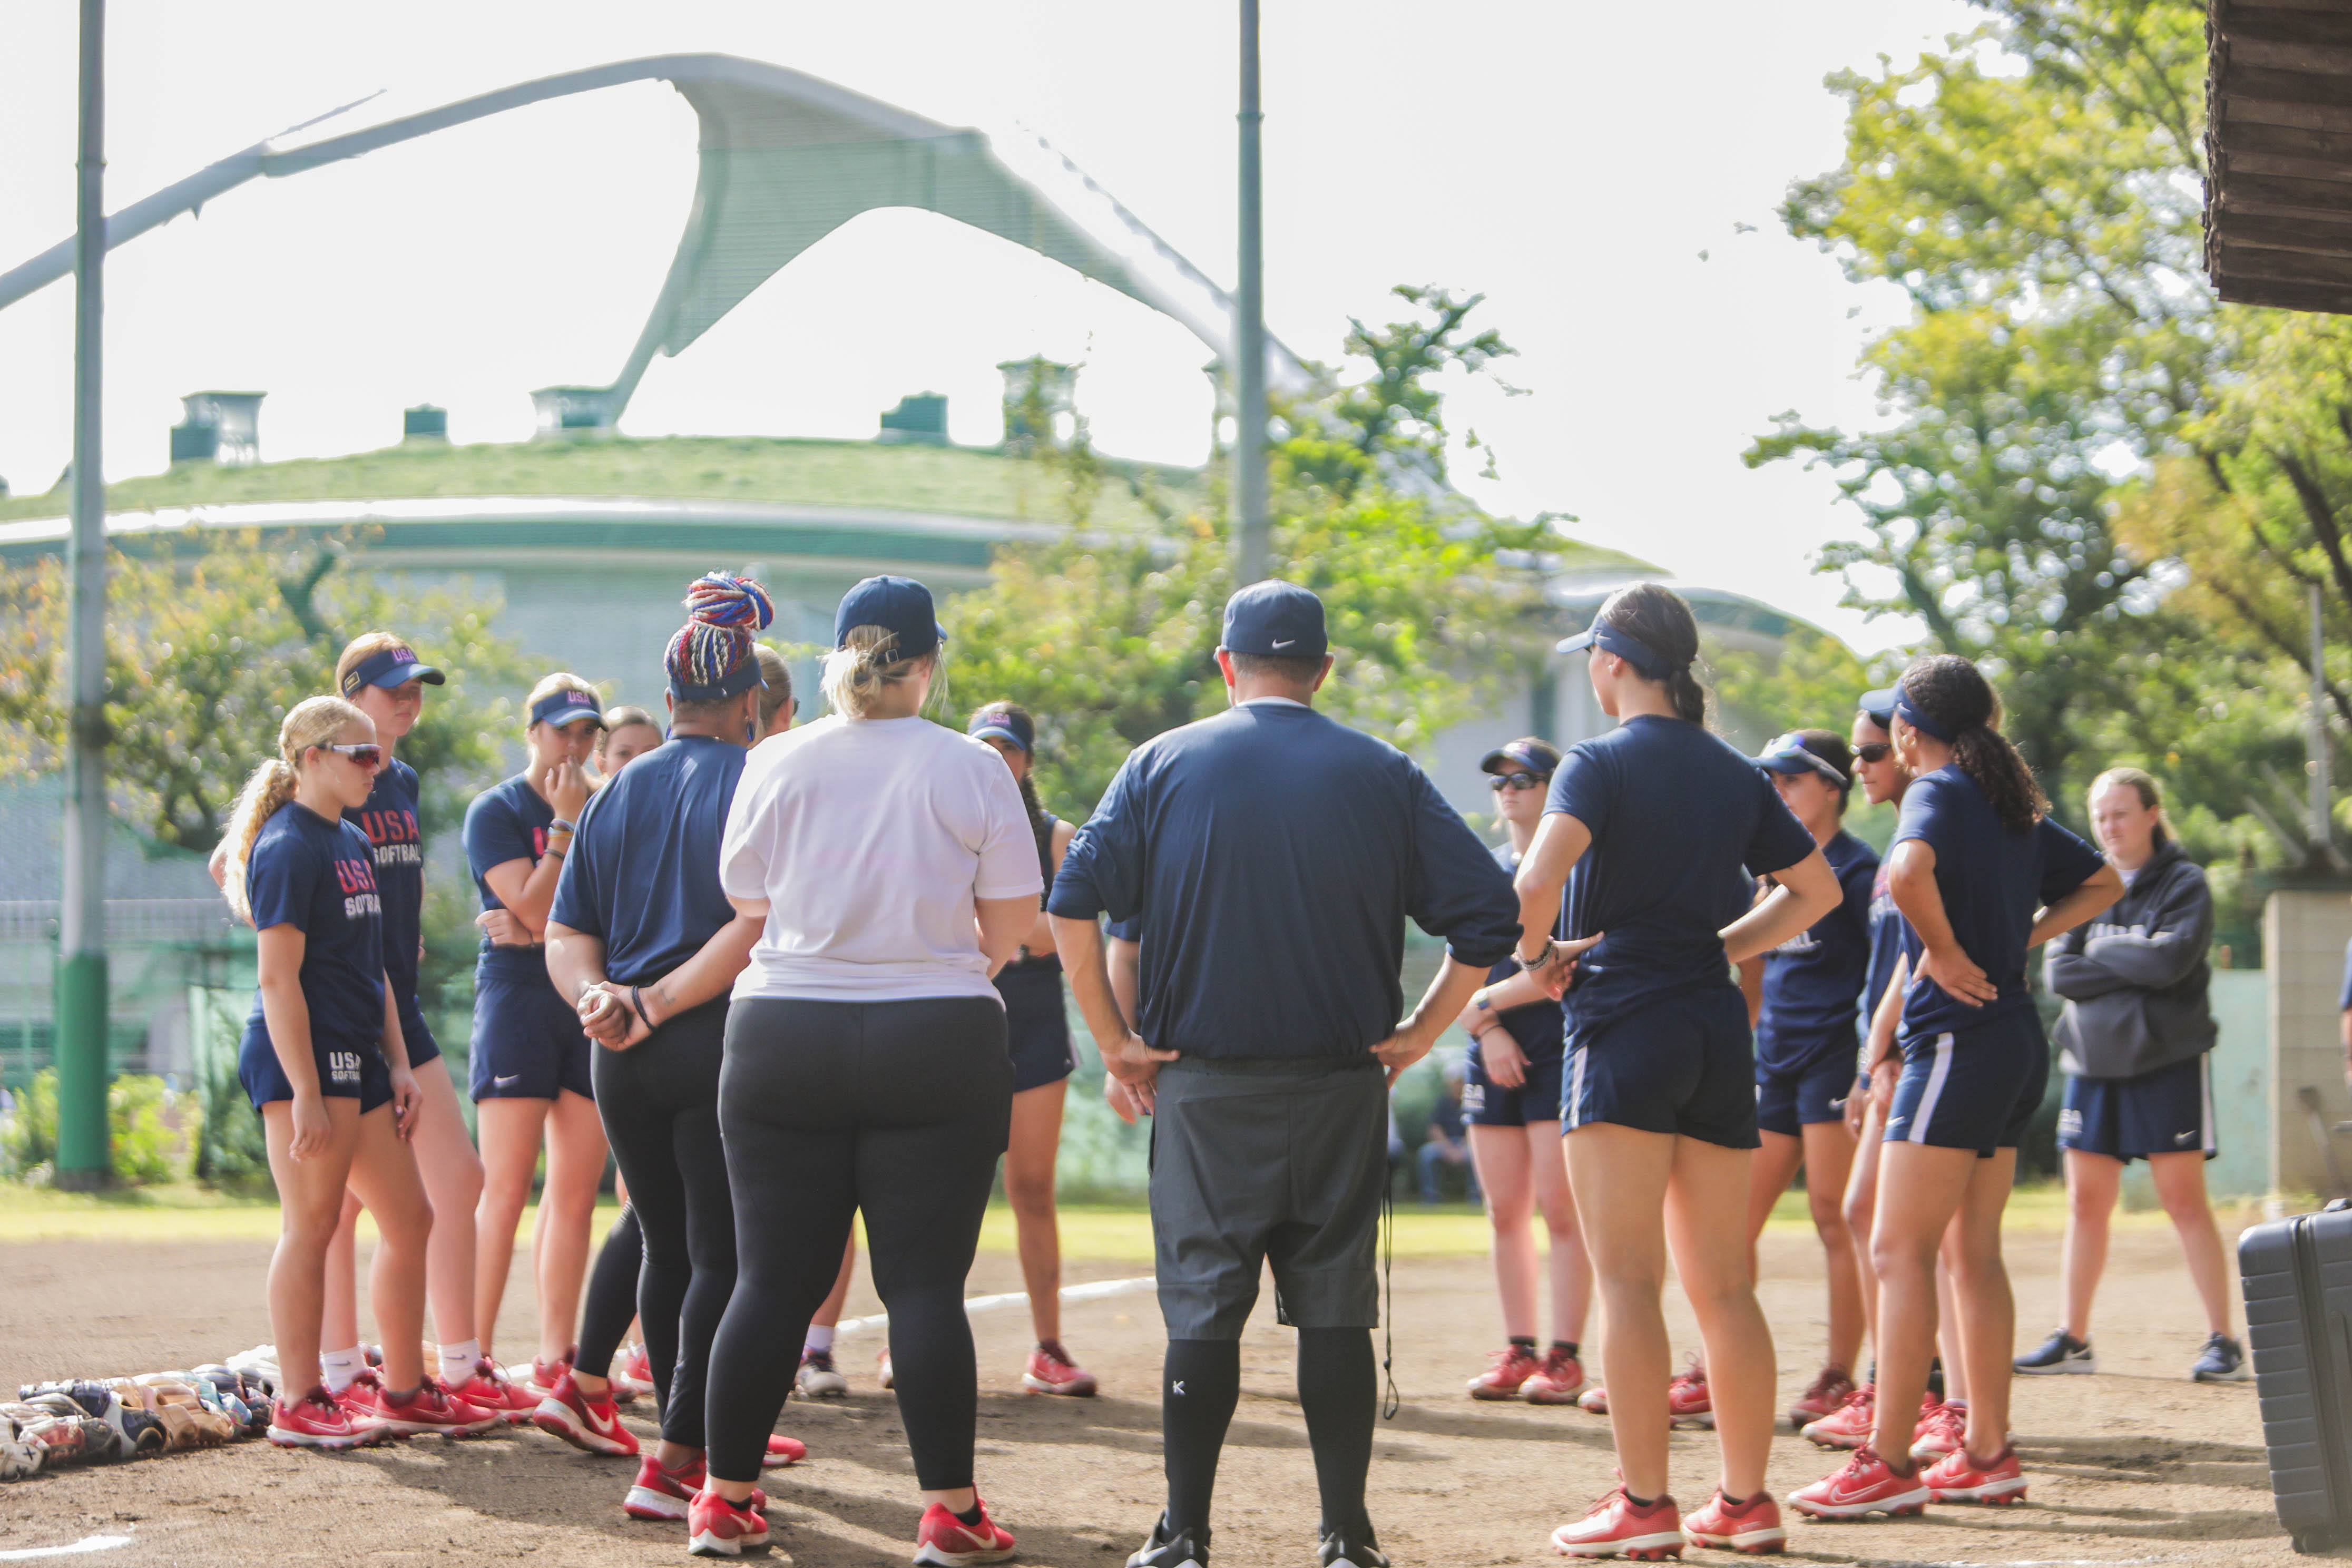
x: 611, y: 1297
x: 898, y: 1109
x: 659, y: 1101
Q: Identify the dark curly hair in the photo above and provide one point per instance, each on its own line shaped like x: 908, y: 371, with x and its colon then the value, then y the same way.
x: 1658, y: 618
x: 1952, y: 692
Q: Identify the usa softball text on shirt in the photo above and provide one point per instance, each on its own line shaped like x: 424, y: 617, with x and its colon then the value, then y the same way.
x: 357, y: 879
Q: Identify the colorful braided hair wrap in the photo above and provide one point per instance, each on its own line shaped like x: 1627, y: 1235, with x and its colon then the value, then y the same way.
x: 711, y: 657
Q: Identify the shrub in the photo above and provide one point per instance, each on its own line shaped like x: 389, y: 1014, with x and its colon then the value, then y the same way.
x: 143, y: 1145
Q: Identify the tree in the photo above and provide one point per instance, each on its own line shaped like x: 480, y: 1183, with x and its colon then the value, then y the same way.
x: 1108, y: 636
x: 212, y: 640
x: 2033, y: 188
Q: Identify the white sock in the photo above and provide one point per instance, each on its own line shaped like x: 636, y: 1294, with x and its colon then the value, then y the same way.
x: 341, y: 1368
x: 820, y: 1337
x: 458, y: 1361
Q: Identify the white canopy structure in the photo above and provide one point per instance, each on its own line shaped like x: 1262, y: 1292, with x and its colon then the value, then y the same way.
x: 785, y: 160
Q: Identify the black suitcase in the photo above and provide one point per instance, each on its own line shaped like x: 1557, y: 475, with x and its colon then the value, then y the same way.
x: 2297, y: 1275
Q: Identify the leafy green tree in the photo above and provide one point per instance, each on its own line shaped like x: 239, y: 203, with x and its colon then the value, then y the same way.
x: 2034, y: 188
x: 212, y: 640
x: 1108, y: 636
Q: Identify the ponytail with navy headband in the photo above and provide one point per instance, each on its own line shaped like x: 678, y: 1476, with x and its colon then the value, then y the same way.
x: 712, y: 657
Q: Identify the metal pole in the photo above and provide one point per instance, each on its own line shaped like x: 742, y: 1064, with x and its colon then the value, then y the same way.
x: 2323, y: 837
x: 1251, y: 556
x: 80, y: 995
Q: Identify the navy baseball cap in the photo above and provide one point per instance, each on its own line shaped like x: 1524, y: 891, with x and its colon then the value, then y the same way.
x: 1275, y: 620
x: 1539, y: 757
x: 1879, y: 707
x: 561, y: 708
x: 897, y: 605
x: 996, y: 724
x: 391, y: 667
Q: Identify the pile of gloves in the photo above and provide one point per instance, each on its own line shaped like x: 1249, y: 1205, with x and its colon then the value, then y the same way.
x: 100, y: 1421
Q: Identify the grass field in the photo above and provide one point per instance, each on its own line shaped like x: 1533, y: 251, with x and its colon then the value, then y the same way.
x: 1111, y: 1232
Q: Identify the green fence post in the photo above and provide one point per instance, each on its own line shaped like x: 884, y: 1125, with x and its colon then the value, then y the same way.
x: 82, y: 1161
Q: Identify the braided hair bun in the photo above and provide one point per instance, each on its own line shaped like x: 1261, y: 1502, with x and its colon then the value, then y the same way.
x: 713, y: 657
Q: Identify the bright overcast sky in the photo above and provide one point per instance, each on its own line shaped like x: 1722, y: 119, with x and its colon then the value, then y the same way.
x: 1588, y: 167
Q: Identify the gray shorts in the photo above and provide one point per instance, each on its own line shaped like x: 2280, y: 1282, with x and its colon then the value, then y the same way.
x: 1268, y: 1161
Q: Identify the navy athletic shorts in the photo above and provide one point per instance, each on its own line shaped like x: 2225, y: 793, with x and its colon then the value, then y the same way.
x: 1972, y: 1089
x: 1684, y: 1064
x: 1036, y: 1023
x: 343, y: 1073
x: 416, y: 1035
x: 2167, y: 1112
x: 528, y: 1043
x: 1790, y: 1099
x: 1486, y: 1103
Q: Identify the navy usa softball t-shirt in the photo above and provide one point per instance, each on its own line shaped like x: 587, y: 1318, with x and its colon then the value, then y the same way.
x: 643, y: 873
x: 1812, y: 982
x: 1886, y: 935
x: 318, y: 877
x: 1682, y: 825
x: 389, y: 820
x: 1540, y: 1028
x: 508, y: 821
x: 1992, y: 880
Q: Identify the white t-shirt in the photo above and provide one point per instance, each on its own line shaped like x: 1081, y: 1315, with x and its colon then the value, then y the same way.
x: 870, y: 838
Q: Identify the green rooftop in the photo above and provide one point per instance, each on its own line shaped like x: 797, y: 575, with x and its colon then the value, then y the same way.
x: 956, y: 480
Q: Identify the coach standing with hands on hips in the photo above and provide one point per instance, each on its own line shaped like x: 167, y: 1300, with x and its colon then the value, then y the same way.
x: 1274, y: 856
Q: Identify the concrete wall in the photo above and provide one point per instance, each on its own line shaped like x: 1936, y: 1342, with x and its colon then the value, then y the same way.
x: 2304, y: 936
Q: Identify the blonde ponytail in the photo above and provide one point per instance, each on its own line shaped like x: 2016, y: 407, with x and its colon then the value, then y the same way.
x: 314, y: 722
x: 854, y: 676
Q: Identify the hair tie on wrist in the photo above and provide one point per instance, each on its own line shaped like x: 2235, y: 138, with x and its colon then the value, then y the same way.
x: 637, y: 1005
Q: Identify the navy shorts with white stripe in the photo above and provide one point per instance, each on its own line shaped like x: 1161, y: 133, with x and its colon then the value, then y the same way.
x: 1972, y: 1089
x: 2167, y: 1112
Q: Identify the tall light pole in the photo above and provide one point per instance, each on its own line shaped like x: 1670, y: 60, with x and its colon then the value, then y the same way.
x: 1250, y: 526
x: 81, y: 993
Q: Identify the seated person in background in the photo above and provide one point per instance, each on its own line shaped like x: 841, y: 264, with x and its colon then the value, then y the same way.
x: 1446, y: 1144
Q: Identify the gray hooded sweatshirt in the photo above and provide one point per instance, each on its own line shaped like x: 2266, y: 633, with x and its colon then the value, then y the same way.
x: 2135, y: 979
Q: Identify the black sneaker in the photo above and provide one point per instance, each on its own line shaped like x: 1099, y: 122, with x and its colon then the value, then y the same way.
x: 2062, y: 1352
x: 2223, y: 1361
x: 1163, y: 1550
x: 1340, y: 1551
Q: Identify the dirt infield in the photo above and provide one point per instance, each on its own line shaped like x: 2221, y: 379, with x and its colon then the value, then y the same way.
x: 2136, y: 1466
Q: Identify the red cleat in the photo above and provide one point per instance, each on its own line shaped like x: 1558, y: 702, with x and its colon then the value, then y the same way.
x: 430, y: 1409
x: 494, y: 1390
x: 1686, y: 1400
x: 1826, y: 1393
x: 584, y: 1420
x: 1956, y: 1478
x: 948, y: 1541
x: 1941, y: 1431
x: 1513, y: 1365
x: 1864, y: 1486
x: 1556, y: 1382
x: 1051, y: 1370
x: 1615, y: 1526
x: 783, y: 1451
x: 543, y: 1375
x: 665, y: 1494
x: 316, y: 1420
x: 1849, y: 1426
x: 1753, y: 1526
x: 717, y: 1528
x: 1594, y: 1399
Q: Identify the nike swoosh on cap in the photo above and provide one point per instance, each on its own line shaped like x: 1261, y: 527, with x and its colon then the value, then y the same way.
x: 1284, y: 642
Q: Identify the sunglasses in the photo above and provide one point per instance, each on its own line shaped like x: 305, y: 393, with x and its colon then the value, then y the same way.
x: 1873, y: 751
x: 367, y: 755
x: 1515, y: 780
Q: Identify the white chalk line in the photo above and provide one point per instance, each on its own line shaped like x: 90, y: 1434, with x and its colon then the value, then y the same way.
x: 87, y: 1544
x: 1097, y: 1291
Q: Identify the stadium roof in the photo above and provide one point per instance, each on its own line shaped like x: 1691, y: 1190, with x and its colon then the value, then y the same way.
x: 785, y: 160
x: 2278, y: 138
